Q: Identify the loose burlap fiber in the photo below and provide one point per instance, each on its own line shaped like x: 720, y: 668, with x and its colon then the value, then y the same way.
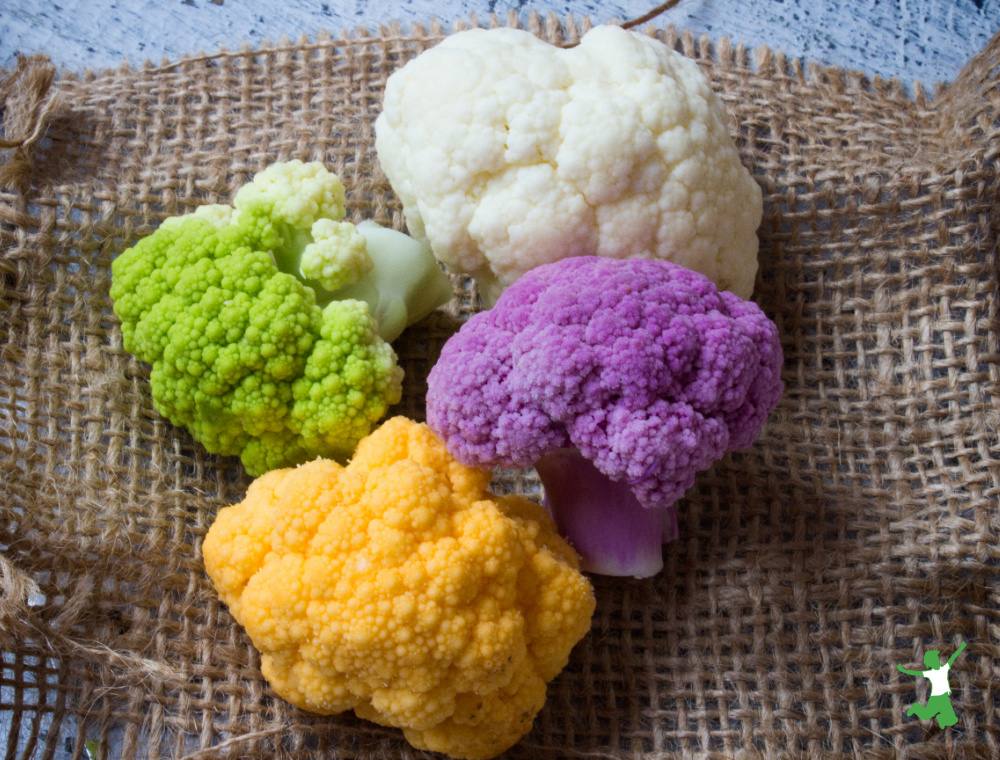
x: 858, y: 532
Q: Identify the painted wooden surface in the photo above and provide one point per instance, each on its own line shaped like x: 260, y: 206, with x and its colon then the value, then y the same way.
x: 926, y: 40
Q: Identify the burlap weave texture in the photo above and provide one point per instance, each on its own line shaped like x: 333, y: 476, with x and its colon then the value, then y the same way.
x: 858, y: 532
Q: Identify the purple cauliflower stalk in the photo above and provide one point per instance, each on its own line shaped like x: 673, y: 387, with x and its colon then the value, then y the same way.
x: 618, y: 380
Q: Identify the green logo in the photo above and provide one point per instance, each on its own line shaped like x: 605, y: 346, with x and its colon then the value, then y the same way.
x: 938, y: 703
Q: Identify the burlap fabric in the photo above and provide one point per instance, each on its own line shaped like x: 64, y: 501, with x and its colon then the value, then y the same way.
x: 860, y: 531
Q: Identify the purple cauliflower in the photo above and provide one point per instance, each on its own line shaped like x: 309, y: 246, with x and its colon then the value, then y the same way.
x: 618, y: 380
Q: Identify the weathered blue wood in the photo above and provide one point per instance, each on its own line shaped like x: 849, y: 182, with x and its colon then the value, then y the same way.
x: 926, y: 40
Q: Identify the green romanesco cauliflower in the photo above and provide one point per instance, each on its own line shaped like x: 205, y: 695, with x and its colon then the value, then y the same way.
x: 261, y: 320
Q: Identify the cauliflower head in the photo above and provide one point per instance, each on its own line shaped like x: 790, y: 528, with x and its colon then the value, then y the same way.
x: 618, y: 380
x: 398, y: 587
x: 644, y: 366
x: 250, y: 355
x: 508, y: 153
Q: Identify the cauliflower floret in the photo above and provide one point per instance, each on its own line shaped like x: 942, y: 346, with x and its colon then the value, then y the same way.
x: 508, y: 153
x: 338, y: 255
x: 286, y: 199
x: 399, y: 587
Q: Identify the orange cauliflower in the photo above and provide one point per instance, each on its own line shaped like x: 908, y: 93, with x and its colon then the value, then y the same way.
x: 398, y: 587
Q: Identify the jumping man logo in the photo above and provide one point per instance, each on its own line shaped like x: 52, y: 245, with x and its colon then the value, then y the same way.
x: 938, y: 703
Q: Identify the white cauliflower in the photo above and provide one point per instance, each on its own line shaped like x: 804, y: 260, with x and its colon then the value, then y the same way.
x: 508, y: 153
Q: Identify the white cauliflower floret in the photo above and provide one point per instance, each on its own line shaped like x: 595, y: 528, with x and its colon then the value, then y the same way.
x: 508, y: 153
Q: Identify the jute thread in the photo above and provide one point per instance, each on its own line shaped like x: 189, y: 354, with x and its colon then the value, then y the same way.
x: 858, y: 532
x: 26, y: 106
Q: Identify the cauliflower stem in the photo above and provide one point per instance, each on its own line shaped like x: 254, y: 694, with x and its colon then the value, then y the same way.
x: 580, y: 497
x: 405, y: 284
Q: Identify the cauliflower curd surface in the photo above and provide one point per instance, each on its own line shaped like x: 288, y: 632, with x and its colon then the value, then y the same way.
x: 508, y: 153
x: 398, y: 587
